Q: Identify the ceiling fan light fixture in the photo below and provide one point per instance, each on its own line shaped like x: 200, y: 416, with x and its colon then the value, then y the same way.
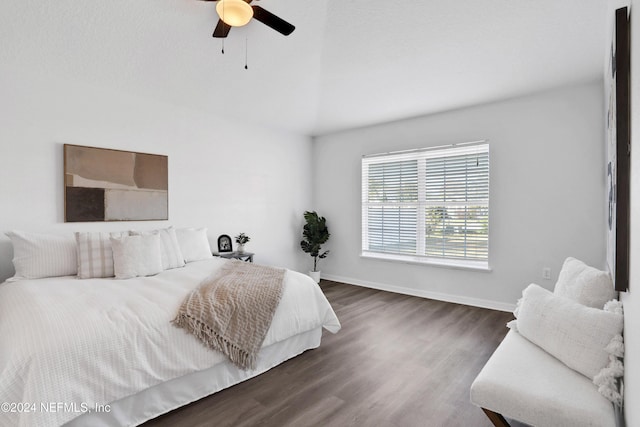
x: 234, y: 13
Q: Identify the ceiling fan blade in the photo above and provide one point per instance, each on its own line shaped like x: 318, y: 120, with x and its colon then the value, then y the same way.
x: 271, y: 20
x: 222, y: 30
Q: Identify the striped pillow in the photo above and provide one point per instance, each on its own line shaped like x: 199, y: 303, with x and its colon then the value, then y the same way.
x: 36, y: 256
x: 171, y: 253
x: 95, y: 256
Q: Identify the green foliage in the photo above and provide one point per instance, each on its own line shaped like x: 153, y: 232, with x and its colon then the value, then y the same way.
x: 242, y: 238
x: 315, y: 233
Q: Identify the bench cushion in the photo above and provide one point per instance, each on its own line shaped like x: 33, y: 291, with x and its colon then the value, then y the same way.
x: 523, y: 382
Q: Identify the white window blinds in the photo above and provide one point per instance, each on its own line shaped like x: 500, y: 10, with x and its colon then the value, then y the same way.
x: 430, y: 204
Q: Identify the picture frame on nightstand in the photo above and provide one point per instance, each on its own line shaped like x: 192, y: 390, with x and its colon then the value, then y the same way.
x: 224, y: 243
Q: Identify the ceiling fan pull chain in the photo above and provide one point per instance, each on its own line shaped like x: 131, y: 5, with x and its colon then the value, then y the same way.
x: 223, y: 7
x: 246, y: 53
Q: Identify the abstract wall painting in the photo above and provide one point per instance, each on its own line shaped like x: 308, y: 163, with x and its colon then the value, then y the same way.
x: 617, y: 93
x: 113, y: 185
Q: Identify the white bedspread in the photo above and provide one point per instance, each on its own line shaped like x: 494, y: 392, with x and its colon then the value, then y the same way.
x: 68, y: 345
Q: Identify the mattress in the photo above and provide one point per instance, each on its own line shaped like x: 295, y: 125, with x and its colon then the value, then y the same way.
x: 79, y: 345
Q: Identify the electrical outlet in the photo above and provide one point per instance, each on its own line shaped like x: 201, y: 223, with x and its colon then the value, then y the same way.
x: 546, y: 273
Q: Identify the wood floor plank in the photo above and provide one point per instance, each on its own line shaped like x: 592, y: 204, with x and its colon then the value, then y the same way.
x: 398, y: 361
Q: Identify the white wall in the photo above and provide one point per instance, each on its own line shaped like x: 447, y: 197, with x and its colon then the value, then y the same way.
x: 546, y: 202
x: 631, y: 299
x: 228, y: 176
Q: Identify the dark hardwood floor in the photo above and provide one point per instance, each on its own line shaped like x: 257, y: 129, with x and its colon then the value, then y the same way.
x: 398, y: 361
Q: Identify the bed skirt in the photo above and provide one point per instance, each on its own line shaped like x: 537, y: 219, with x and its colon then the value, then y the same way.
x: 165, y: 397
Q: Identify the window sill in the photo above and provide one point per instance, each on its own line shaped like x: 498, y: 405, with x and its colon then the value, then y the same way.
x: 434, y: 262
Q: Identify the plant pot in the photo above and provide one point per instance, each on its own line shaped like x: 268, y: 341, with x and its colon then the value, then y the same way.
x: 240, y: 249
x: 315, y: 275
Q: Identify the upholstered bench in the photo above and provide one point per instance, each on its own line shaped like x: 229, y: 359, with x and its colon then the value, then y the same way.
x: 524, y: 382
x: 560, y: 363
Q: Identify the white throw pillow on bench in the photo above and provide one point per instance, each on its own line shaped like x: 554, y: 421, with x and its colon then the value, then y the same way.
x: 575, y: 334
x: 584, y: 284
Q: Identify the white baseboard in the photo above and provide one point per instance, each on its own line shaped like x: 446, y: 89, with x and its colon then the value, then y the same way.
x: 458, y: 299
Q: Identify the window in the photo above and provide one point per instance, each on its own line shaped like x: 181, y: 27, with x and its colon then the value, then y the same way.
x: 429, y: 205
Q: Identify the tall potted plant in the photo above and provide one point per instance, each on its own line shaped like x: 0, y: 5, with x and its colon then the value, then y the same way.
x: 315, y: 233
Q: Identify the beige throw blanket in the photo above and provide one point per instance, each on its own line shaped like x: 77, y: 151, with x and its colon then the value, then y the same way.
x: 232, y: 310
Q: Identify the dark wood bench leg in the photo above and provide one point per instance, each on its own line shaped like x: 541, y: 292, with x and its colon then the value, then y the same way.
x: 497, y: 419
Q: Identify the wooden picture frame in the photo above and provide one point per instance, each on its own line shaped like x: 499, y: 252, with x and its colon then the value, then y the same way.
x: 224, y: 244
x: 618, y: 127
x: 102, y: 184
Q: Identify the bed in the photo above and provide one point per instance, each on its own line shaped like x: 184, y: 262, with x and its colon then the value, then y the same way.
x: 104, y: 352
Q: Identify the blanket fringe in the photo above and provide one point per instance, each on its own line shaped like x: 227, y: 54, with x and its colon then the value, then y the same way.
x: 213, y: 340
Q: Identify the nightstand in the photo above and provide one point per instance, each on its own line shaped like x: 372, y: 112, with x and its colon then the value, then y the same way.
x: 244, y: 256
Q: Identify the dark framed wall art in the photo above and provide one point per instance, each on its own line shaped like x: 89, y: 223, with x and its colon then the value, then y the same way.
x: 618, y: 127
x: 113, y: 185
x: 224, y: 243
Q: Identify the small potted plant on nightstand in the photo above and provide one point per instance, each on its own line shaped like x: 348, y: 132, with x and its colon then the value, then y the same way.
x: 315, y: 233
x: 241, y: 240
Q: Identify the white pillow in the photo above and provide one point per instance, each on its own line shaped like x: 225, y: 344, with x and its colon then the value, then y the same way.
x: 586, y: 285
x: 95, y: 257
x: 607, y: 379
x: 194, y: 243
x: 171, y: 253
x: 38, y: 255
x: 575, y: 334
x: 135, y: 256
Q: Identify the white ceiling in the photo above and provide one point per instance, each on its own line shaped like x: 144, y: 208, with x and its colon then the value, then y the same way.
x: 349, y: 63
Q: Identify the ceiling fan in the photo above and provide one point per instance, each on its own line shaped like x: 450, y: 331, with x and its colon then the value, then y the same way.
x: 236, y: 13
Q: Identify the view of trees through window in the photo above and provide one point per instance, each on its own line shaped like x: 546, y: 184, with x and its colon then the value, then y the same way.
x: 429, y: 203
